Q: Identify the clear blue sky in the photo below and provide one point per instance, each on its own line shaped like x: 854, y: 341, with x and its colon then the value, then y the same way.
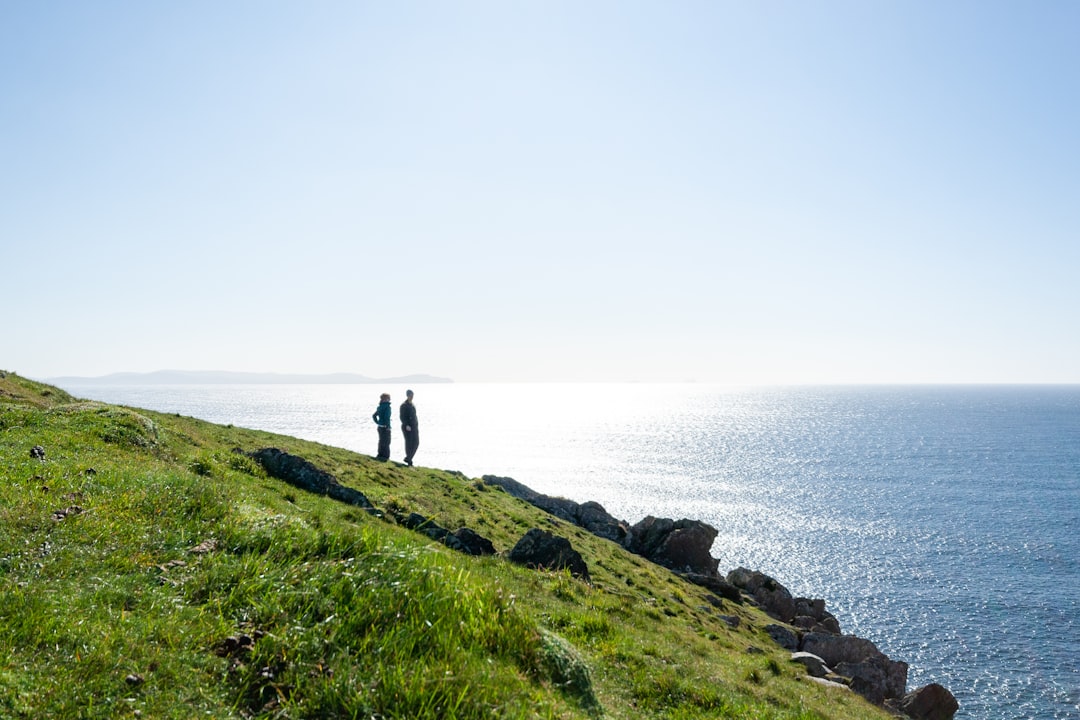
x: 734, y: 192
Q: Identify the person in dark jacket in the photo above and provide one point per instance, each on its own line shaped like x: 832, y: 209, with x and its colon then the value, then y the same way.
x: 409, y: 427
x: 382, y: 417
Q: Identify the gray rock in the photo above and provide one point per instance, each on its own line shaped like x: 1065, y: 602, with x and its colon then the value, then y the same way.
x: 774, y: 598
x: 930, y: 702
x: 681, y: 545
x: 542, y: 550
x: 297, y: 471
x: 814, y: 665
x: 463, y: 539
x: 836, y: 649
x: 824, y: 682
x: 716, y: 584
x: 783, y: 637
x: 872, y: 674
x: 589, y: 515
x: 876, y: 678
x: 473, y: 543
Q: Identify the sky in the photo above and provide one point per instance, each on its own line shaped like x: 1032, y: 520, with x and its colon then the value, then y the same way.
x: 724, y: 192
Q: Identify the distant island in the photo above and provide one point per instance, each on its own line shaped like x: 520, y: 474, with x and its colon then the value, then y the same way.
x: 213, y: 377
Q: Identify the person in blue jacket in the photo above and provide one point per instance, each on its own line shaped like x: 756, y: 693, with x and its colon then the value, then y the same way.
x: 382, y: 417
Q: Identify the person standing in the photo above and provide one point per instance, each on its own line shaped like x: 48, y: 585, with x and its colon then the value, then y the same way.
x: 409, y: 427
x: 382, y: 417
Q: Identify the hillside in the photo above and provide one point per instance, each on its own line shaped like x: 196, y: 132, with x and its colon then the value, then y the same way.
x: 149, y: 567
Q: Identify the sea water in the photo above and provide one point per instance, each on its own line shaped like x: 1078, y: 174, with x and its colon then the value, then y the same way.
x: 941, y: 522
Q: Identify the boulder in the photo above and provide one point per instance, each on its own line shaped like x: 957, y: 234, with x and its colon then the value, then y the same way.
x: 876, y: 678
x: 814, y: 665
x: 542, y: 550
x: 872, y: 674
x: 774, y: 598
x: 297, y: 471
x: 783, y: 636
x: 836, y: 649
x: 680, y: 545
x: 473, y: 543
x: 930, y: 702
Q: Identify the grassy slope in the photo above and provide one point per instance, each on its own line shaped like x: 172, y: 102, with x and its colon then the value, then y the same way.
x: 180, y: 581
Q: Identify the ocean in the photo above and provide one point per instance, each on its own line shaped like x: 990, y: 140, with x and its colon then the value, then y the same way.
x: 941, y: 522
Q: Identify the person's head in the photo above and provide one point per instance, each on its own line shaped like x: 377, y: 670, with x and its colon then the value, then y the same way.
x: 408, y: 395
x: 385, y: 397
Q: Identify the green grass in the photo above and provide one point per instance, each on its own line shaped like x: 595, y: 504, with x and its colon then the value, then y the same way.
x: 148, y: 570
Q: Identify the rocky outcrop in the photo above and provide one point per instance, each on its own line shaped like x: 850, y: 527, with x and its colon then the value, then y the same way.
x: 542, y: 550
x: 588, y: 515
x: 463, y: 539
x: 297, y: 471
x: 684, y: 546
x: 783, y: 636
x: 930, y: 702
x: 681, y: 545
x: 869, y: 671
x: 776, y: 600
x: 771, y: 596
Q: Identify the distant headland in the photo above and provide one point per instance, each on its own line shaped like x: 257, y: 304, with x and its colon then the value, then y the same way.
x: 213, y: 377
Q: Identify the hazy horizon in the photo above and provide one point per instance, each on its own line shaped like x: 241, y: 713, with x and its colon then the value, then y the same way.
x: 427, y: 379
x: 719, y: 192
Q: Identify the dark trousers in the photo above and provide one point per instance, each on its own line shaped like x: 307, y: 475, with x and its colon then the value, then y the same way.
x: 384, y: 443
x: 412, y: 442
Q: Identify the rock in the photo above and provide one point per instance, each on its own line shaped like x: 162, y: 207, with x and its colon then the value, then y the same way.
x: 824, y: 682
x: 463, y: 539
x: 542, y: 550
x: 872, y: 674
x: 814, y: 665
x: 716, y: 584
x: 205, y: 547
x: 930, y: 702
x: 38, y: 453
x: 774, y: 598
x: 836, y: 649
x: 589, y: 515
x: 783, y: 637
x: 681, y: 545
x: 297, y: 471
x: 876, y: 678
x: 823, y: 620
x: 473, y: 543
x: 60, y: 515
